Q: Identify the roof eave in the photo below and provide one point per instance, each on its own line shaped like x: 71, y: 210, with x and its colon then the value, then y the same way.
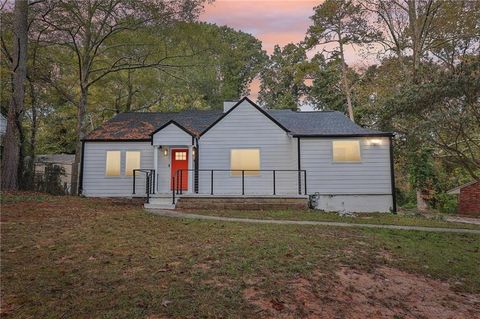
x: 116, y: 140
x: 175, y: 123
x: 346, y: 135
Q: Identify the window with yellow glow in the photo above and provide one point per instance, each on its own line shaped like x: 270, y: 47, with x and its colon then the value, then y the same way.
x: 245, y: 159
x: 112, y: 163
x: 180, y: 156
x: 346, y: 151
x: 132, y: 161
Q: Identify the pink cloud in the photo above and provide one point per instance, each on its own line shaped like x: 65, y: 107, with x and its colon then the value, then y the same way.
x: 273, y: 22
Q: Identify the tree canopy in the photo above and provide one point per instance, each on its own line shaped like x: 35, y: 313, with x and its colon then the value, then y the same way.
x: 282, y: 78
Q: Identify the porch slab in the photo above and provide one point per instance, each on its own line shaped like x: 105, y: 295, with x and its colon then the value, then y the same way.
x: 242, y: 202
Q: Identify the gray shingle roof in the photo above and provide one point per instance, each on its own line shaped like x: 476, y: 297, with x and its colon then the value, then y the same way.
x: 139, y: 126
x: 320, y: 123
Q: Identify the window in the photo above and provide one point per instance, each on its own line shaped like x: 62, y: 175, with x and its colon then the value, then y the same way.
x: 245, y: 159
x: 346, y: 151
x: 132, y: 162
x: 180, y: 156
x: 112, y: 165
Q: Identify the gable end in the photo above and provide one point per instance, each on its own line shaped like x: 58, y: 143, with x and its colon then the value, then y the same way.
x: 255, y: 106
x: 167, y: 124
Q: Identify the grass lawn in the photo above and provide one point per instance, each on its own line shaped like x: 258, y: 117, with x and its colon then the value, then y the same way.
x: 405, y: 219
x: 73, y: 257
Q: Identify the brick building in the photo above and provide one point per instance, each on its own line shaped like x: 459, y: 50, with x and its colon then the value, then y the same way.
x: 468, y: 198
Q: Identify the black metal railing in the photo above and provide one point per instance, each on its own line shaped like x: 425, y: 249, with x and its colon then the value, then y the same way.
x: 178, y: 187
x: 149, y: 181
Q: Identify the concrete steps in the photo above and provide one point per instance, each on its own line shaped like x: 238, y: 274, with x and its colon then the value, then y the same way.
x: 160, y: 202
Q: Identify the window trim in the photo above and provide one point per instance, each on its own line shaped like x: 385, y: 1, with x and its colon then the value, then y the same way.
x: 259, y: 161
x: 125, y: 163
x: 105, y: 165
x: 360, y: 150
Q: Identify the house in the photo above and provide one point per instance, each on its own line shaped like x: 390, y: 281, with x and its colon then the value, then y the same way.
x: 468, y: 198
x: 249, y: 155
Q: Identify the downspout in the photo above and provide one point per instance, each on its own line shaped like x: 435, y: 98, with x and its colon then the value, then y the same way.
x: 82, y: 160
x: 392, y: 176
x: 299, y: 166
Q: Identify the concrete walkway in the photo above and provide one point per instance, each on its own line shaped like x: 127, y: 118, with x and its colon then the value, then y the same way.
x: 176, y: 214
x: 463, y: 219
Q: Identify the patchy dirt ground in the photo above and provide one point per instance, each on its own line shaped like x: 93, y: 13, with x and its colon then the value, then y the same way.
x: 385, y: 293
x: 77, y: 257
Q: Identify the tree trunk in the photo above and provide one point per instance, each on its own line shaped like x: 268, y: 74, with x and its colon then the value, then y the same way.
x: 11, y: 160
x: 33, y: 136
x: 346, y: 85
x: 81, y: 132
x: 413, y: 25
x: 130, y: 92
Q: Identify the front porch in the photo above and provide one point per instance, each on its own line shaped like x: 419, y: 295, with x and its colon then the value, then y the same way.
x: 176, y: 181
x: 224, y: 188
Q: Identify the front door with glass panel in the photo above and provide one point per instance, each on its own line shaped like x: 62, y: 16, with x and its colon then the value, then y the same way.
x: 180, y: 162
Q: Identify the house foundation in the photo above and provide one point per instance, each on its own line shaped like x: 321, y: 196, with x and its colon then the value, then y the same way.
x: 200, y: 202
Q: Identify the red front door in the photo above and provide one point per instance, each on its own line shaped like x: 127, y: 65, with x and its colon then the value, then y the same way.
x: 180, y: 161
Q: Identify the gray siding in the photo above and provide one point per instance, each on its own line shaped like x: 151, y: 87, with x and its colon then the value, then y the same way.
x: 370, y: 176
x: 356, y: 203
x: 172, y: 135
x: 95, y: 183
x: 246, y: 127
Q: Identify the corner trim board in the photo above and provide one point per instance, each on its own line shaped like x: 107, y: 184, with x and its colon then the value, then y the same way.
x: 299, y: 156
x: 196, y: 179
x: 392, y: 176
x: 82, y: 161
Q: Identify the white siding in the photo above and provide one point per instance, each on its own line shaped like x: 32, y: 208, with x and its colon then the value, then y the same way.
x: 356, y: 203
x: 172, y: 135
x: 96, y: 184
x: 370, y: 176
x: 247, y: 127
x: 163, y: 172
x: 355, y: 187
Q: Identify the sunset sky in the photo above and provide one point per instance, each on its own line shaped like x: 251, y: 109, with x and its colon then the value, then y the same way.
x: 272, y: 21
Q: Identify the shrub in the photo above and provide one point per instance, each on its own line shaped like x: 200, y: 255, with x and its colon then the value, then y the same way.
x: 446, y: 203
